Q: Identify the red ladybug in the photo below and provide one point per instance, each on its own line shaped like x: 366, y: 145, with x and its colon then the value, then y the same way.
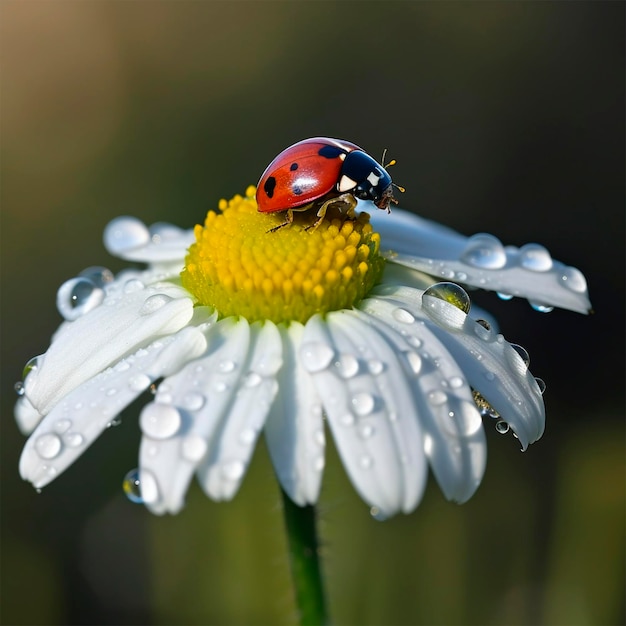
x: 315, y: 173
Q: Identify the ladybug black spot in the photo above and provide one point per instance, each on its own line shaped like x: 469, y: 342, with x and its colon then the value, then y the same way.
x: 330, y: 152
x: 269, y: 186
x: 294, y: 167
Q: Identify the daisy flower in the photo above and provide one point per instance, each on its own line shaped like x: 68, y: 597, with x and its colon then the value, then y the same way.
x: 358, y: 328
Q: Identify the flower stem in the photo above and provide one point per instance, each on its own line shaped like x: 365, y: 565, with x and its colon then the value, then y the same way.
x: 305, y: 565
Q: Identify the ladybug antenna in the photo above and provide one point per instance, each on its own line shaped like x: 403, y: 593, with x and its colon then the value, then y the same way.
x: 398, y: 187
x: 392, y: 162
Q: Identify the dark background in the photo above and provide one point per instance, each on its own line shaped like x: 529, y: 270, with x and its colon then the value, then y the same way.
x: 504, y: 117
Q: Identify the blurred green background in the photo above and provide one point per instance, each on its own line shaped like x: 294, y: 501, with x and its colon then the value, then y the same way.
x: 504, y: 117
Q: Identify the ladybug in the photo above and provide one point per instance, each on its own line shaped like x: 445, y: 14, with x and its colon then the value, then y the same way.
x: 319, y: 172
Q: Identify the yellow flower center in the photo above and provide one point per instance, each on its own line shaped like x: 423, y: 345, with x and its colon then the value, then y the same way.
x: 239, y: 268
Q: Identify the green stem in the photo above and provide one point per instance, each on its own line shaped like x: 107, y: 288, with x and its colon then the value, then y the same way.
x: 305, y: 565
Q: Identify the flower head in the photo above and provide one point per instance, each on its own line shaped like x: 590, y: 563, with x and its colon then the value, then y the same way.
x: 359, y: 325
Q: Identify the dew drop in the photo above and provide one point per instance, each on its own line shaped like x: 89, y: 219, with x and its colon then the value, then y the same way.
x: 226, y: 367
x: 316, y: 356
x: 252, y: 379
x: 541, y: 308
x: 247, y: 436
x: 62, y: 426
x: 366, y: 461
x: 111, y: 391
x: 502, y: 427
x: 140, y: 382
x: 193, y: 401
x: 268, y: 365
x: 504, y: 296
x: 73, y: 440
x: 132, y: 285
x: 455, y: 382
x: 124, y: 234
x: 132, y: 486
x: 19, y: 388
x: 414, y: 341
x: 363, y: 403
x: 154, y: 303
x: 461, y: 276
x: 375, y: 367
x: 377, y: 514
x: 98, y: 275
x: 159, y: 421
x: 437, y: 397
x: 415, y: 362
x: 78, y: 296
x: 30, y: 366
x: 347, y: 365
x: 484, y: 324
x: 535, y: 258
x: 193, y: 448
x: 233, y: 470
x: 541, y: 384
x: 318, y: 463
x: 366, y: 431
x: 149, y: 487
x: 573, y: 279
x: 347, y: 419
x: 403, y: 316
x: 48, y: 446
x: 448, y: 292
x: 523, y: 353
x: 220, y: 386
x: 319, y: 438
x: 490, y: 376
x: 484, y: 251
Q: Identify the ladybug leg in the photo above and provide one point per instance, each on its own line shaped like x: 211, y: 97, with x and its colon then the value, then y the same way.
x: 345, y: 201
x: 287, y: 222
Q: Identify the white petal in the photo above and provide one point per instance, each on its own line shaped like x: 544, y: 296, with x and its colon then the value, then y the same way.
x: 491, y: 365
x: 129, y: 238
x: 370, y: 409
x: 454, y: 439
x: 26, y: 416
x: 202, y: 394
x: 481, y: 261
x: 294, y: 429
x: 76, y: 422
x: 223, y: 469
x: 104, y: 335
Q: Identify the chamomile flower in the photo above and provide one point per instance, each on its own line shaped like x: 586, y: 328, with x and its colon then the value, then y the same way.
x: 358, y: 328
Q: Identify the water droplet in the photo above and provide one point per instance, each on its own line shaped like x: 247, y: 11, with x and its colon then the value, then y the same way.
x: 78, y: 296
x: 73, y: 440
x: 148, y: 486
x: 159, y: 421
x: 111, y: 392
x: 490, y: 376
x: 542, y: 308
x: 535, y: 258
x: 19, y: 388
x: 347, y: 365
x: 140, y: 382
x: 484, y: 323
x: 319, y: 438
x: 226, y: 367
x: 502, y: 427
x: 252, y: 379
x: 62, y: 426
x: 347, y: 419
x: 541, y: 384
x: 366, y: 431
x: 154, y: 303
x: 318, y: 463
x: 193, y: 401
x: 247, y: 436
x: 132, y: 285
x: 375, y: 367
x: 98, y: 275
x: 30, y: 366
x: 574, y: 280
x: 522, y: 352
x: 366, y: 461
x: 448, y: 292
x: 414, y: 341
x: 132, y: 486
x: 403, y: 316
x: 112, y: 423
x: 193, y: 448
x: 233, y: 470
x: 415, y: 362
x: 363, y: 403
x: 220, y: 386
x: 456, y: 382
x: 48, y: 446
x: 437, y: 397
x: 486, y: 410
x: 268, y: 364
x: 316, y: 356
x: 504, y: 296
x: 484, y: 251
x: 377, y: 514
x: 124, y: 234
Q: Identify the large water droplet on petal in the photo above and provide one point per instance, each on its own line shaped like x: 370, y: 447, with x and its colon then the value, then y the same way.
x: 403, y: 316
x: 48, y: 446
x: 160, y: 421
x: 125, y: 233
x: 233, y: 470
x: 193, y: 401
x: 149, y: 487
x: 437, y: 397
x: 98, y: 275
x: 347, y: 365
x: 415, y: 362
x: 19, y: 388
x: 542, y: 308
x: 73, y: 440
x: 535, y: 258
x: 30, y: 366
x: 574, y: 280
x: 193, y: 448
x: 363, y: 403
x: 522, y: 352
x: 316, y: 356
x: 502, y: 427
x: 78, y: 296
x: 541, y: 384
x: 448, y: 292
x: 226, y: 366
x: 139, y: 382
x: 154, y: 303
x: 484, y: 251
x: 132, y: 486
